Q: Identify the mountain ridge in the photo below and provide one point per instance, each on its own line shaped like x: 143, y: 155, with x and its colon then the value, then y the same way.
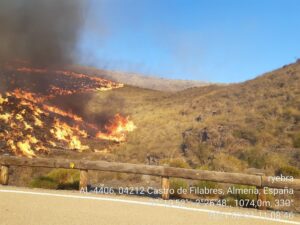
x: 139, y: 80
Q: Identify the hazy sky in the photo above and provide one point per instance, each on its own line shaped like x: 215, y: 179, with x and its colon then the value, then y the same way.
x: 211, y: 40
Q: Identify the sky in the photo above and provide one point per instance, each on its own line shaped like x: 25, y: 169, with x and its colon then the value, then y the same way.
x: 207, y: 40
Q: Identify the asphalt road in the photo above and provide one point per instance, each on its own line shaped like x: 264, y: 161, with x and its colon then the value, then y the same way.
x: 42, y: 207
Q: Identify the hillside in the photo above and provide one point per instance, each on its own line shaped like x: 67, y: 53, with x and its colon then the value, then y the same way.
x: 138, y: 80
x: 255, y: 124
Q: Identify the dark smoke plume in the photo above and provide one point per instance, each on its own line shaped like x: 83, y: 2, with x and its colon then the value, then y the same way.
x: 43, y: 32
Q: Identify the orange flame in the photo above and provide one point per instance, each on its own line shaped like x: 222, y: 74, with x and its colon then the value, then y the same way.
x: 18, y: 93
x: 23, y: 135
x: 62, y: 113
x: 64, y: 132
x: 117, y: 129
x: 104, y: 84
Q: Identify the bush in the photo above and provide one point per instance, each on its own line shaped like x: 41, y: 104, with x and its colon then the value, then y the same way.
x: 178, y: 162
x: 58, y: 179
x: 254, y: 157
x: 204, y: 152
x: 296, y: 155
x: 296, y: 140
x: 244, y: 195
x: 177, y: 184
x: 203, y: 167
x: 276, y: 161
x: 289, y: 171
x: 292, y: 113
x: 230, y: 201
x: 227, y: 163
x: 247, y: 135
x: 208, y: 185
x: 44, y: 182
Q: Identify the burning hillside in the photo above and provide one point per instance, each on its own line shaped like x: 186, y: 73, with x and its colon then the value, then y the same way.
x: 38, y: 109
x: 52, y: 82
x: 30, y: 123
x: 27, y: 129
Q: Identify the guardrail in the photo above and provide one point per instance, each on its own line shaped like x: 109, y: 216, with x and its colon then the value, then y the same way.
x: 258, y: 180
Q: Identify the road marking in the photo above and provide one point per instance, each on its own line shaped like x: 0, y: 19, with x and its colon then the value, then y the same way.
x: 233, y: 214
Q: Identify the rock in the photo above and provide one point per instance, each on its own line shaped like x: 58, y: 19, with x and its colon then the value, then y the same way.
x: 152, y: 159
x: 198, y: 118
x: 184, y: 148
x: 186, y: 133
x: 204, y: 135
x: 214, y: 113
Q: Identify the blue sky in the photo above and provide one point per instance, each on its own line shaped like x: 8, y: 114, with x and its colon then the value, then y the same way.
x: 210, y: 40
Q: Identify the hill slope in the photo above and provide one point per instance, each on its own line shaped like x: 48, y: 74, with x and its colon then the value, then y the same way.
x: 229, y: 128
x: 255, y: 124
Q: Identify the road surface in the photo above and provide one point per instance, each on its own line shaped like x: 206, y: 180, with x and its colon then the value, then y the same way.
x: 43, y: 207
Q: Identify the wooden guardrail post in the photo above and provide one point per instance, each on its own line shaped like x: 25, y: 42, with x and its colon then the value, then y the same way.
x: 84, y: 179
x: 261, y: 199
x: 165, y: 184
x: 4, y: 175
x: 261, y: 196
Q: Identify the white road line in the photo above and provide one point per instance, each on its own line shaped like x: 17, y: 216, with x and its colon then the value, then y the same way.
x: 233, y: 214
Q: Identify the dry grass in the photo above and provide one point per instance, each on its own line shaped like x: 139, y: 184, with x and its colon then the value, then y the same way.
x: 210, y: 127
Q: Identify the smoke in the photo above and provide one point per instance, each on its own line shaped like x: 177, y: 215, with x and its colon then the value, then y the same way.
x: 87, y: 106
x: 43, y: 32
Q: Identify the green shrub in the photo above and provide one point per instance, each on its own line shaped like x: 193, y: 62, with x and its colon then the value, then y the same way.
x: 230, y: 201
x: 64, y: 175
x: 208, y: 185
x: 44, y: 182
x: 289, y: 171
x: 177, y: 184
x: 244, y: 188
x: 58, y: 179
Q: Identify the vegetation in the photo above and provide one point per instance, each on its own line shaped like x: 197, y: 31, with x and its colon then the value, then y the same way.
x: 244, y: 195
x: 248, y: 135
x: 254, y: 157
x: 44, y: 182
x: 58, y: 179
x: 207, y: 184
x: 296, y: 140
x: 177, y: 184
x: 289, y: 171
x: 255, y: 124
x: 227, y: 163
x: 178, y: 162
